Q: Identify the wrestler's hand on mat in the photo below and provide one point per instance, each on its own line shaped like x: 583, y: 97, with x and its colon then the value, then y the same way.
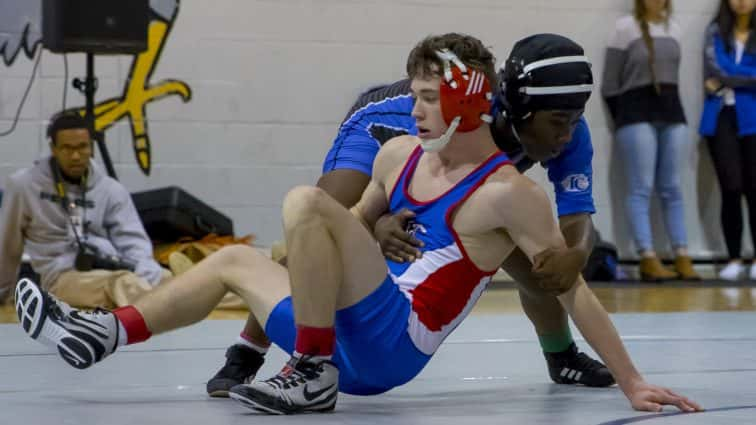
x: 396, y: 243
x: 651, y: 398
x: 557, y: 269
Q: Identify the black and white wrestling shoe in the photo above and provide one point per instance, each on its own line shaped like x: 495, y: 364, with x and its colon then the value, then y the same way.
x: 574, y: 367
x: 82, y: 338
x: 301, y: 386
x: 242, y: 363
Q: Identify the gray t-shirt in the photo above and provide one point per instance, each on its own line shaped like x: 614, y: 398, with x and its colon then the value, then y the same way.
x: 626, y: 65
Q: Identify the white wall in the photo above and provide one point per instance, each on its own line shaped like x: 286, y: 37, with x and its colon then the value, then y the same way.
x: 271, y: 80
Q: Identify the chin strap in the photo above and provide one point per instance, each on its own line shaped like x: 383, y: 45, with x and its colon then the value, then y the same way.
x: 435, y: 145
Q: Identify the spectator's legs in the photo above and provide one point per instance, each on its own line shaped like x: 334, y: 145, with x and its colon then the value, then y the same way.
x: 99, y: 288
x: 726, y: 154
x: 638, y: 145
x: 748, y: 146
x: 672, y: 140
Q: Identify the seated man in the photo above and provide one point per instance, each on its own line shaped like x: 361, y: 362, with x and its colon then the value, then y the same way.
x: 353, y: 321
x: 78, y: 225
x: 530, y: 127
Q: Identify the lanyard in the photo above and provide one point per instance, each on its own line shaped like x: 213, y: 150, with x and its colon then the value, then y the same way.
x: 60, y: 188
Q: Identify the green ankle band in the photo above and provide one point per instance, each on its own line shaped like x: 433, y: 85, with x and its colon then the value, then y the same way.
x: 555, y: 342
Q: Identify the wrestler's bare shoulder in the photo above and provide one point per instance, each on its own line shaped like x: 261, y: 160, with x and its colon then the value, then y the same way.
x: 400, y: 146
x: 508, y: 187
x: 394, y: 153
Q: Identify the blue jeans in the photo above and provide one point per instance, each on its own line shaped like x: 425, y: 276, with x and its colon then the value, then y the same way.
x: 650, y: 154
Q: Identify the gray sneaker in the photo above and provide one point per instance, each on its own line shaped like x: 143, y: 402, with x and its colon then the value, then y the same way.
x: 301, y: 386
x: 82, y: 338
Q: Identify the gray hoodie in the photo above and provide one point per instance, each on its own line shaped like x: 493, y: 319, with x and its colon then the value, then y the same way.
x: 32, y: 220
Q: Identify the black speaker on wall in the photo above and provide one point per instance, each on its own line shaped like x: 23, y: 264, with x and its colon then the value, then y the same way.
x: 95, y: 26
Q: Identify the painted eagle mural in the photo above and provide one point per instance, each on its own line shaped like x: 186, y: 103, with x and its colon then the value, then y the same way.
x: 21, y: 34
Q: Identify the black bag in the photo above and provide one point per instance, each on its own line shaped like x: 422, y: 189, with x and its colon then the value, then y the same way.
x: 171, y: 213
x: 603, y: 263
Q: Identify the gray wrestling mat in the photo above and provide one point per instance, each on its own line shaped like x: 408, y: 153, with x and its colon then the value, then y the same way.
x: 490, y: 371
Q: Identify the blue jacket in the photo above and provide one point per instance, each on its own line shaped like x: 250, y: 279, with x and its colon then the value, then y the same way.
x: 741, y: 77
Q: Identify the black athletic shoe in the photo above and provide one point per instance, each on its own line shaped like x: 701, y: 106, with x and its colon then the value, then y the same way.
x: 573, y: 367
x: 301, y: 386
x: 82, y: 338
x: 242, y: 363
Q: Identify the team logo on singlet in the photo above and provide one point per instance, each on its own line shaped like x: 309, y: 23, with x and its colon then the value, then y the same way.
x: 412, y: 227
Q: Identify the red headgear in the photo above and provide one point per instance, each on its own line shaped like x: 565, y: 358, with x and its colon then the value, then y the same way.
x: 464, y: 94
x: 465, y: 100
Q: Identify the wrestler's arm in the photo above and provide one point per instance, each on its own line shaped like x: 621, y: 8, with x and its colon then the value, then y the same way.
x: 534, y: 230
x: 371, y: 206
x: 374, y: 200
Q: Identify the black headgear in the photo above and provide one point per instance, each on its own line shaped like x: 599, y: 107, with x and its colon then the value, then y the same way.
x: 543, y: 72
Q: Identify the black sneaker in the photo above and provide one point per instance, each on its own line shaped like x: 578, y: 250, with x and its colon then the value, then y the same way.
x: 301, y: 386
x: 573, y: 367
x: 242, y: 363
x: 82, y: 338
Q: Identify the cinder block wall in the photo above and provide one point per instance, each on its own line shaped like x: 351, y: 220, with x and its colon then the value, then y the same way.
x: 271, y: 80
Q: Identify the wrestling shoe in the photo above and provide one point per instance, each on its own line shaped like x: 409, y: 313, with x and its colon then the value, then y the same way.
x: 573, y: 367
x: 242, y: 363
x: 81, y: 338
x: 301, y: 386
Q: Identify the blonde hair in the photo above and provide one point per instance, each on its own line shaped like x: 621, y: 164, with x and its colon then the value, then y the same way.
x: 640, y: 15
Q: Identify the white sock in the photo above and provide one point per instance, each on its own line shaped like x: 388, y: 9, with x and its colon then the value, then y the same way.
x: 123, y: 337
x: 241, y: 340
x: 312, y: 358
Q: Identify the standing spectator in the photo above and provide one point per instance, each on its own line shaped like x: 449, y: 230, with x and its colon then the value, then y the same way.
x: 640, y: 86
x: 729, y: 121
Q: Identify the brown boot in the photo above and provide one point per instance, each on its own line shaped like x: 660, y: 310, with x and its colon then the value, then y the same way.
x: 652, y: 270
x: 684, y: 268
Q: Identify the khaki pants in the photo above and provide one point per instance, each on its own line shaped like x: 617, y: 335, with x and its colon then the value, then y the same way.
x: 110, y: 289
x: 101, y: 288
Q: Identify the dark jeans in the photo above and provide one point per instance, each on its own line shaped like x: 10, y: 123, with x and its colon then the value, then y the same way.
x: 735, y: 162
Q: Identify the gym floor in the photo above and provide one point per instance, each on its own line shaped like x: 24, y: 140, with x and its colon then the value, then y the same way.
x: 698, y: 339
